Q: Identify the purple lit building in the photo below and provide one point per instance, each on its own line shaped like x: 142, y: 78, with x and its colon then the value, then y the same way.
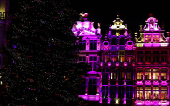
x: 124, y: 72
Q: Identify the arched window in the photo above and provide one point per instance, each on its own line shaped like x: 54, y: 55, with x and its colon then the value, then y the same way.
x: 122, y: 41
x: 114, y: 41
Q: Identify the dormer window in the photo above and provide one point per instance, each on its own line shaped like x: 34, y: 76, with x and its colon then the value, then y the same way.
x: 147, y: 38
x: 155, y: 38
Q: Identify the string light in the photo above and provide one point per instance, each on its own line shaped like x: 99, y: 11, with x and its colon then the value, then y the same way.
x: 31, y: 78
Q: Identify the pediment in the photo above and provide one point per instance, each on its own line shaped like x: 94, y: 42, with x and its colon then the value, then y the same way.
x: 85, y: 32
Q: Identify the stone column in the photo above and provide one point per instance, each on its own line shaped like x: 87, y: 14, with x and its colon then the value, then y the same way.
x: 151, y: 83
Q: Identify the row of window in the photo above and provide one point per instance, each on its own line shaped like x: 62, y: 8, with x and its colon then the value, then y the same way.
x: 164, y: 58
x: 129, y: 59
x: 149, y: 52
x: 119, y: 76
x: 148, y: 92
x: 148, y: 76
x: 148, y: 38
x: 106, y: 58
x: 93, y: 43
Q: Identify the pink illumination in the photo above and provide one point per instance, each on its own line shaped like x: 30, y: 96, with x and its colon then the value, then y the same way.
x: 90, y: 97
x: 108, y: 101
x: 92, y: 72
x: 125, y: 63
x: 148, y: 45
x: 155, y: 83
x: 133, y: 63
x: 117, y: 63
x: 139, y: 83
x: 124, y: 102
x: 164, y: 83
x: 129, y: 47
x: 101, y: 64
x: 155, y: 102
x: 109, y: 63
x: 147, y: 82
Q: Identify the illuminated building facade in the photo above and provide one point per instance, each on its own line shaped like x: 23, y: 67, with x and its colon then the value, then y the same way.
x: 124, y: 72
x: 152, y: 65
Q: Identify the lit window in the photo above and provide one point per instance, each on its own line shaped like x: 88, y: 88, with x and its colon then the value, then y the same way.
x: 106, y: 58
x: 115, y: 58
x: 147, y: 75
x: 121, y: 58
x: 139, y: 92
x: 155, y: 38
x: 156, y: 73
x: 163, y: 76
x: 113, y: 75
x: 147, y: 94
x: 147, y: 38
x: 155, y: 92
x: 139, y: 74
x: 163, y: 94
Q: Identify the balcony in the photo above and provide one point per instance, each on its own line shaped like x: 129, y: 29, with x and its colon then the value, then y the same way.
x: 121, y: 47
x: 164, y: 83
x: 90, y: 97
x: 155, y: 82
x: 114, y: 47
x: 139, y: 83
x: 148, y: 82
x: 152, y: 44
x: 154, y: 102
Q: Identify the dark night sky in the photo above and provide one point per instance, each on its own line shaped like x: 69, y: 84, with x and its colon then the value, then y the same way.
x: 132, y: 13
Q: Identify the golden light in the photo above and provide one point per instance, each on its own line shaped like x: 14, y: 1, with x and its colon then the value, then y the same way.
x: 2, y: 6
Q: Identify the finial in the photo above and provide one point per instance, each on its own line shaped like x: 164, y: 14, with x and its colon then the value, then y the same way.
x: 118, y: 15
x: 136, y: 34
x: 99, y: 25
x: 81, y: 14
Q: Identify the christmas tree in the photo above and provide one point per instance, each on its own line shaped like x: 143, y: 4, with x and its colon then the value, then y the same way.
x: 42, y: 67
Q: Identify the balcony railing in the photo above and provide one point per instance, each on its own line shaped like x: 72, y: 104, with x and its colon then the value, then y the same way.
x: 121, y: 47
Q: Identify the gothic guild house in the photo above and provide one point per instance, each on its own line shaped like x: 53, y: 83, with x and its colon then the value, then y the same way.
x: 124, y: 71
